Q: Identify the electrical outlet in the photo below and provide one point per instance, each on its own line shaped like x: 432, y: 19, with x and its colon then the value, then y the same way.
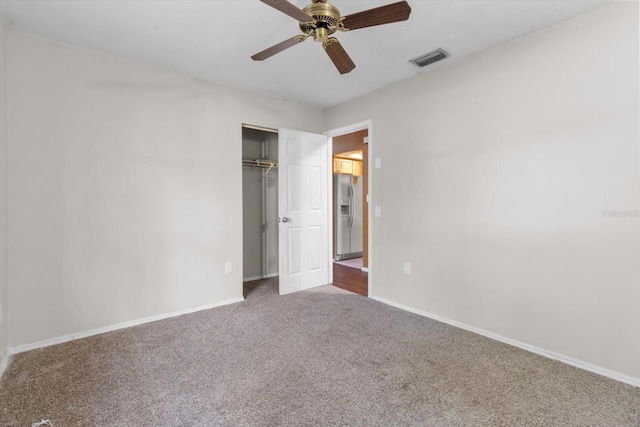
x: 407, y: 268
x: 228, y: 267
x: 378, y: 211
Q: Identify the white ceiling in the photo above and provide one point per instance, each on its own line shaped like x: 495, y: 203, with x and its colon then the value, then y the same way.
x: 214, y: 39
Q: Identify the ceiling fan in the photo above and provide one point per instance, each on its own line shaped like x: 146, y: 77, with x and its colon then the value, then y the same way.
x: 321, y: 19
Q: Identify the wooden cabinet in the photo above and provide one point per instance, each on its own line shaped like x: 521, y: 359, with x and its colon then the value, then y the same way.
x: 347, y: 166
x: 357, y: 167
x: 342, y: 166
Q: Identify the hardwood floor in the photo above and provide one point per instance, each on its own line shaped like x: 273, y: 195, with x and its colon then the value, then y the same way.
x: 351, y: 279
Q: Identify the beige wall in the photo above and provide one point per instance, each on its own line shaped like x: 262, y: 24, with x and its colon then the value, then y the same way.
x: 125, y: 188
x: 495, y: 173
x: 3, y: 190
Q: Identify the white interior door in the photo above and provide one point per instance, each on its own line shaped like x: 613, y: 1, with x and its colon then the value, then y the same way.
x: 303, y: 210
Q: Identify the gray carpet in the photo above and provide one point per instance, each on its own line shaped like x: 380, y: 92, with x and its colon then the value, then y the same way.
x: 319, y: 357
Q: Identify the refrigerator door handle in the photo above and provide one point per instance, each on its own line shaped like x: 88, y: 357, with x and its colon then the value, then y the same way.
x: 349, y: 202
x: 351, y: 206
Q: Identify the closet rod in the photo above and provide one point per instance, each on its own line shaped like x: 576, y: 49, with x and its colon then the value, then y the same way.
x: 260, y: 163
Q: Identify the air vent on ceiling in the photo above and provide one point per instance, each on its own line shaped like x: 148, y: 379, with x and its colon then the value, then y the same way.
x: 430, y: 58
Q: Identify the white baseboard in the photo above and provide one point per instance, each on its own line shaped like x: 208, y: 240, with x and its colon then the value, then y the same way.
x: 65, y: 338
x: 532, y: 348
x: 4, y: 362
x: 365, y: 269
x: 266, y: 276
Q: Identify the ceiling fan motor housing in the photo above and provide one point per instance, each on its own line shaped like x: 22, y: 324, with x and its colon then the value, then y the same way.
x: 326, y: 17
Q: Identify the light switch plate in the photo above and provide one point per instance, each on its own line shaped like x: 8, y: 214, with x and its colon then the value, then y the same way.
x: 378, y: 162
x: 378, y: 211
x: 228, y: 267
x: 407, y: 268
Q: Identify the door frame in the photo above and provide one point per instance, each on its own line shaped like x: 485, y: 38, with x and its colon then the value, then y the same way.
x: 367, y: 124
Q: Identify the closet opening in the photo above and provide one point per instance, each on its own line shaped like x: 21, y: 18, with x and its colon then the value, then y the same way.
x: 259, y: 206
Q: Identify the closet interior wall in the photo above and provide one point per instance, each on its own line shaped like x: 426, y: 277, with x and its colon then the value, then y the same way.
x: 260, y: 205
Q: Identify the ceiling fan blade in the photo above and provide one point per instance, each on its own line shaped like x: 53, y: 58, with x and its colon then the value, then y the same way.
x: 388, y: 14
x: 339, y: 56
x: 277, y: 48
x: 289, y: 9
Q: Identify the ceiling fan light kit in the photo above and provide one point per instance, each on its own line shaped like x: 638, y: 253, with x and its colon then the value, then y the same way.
x: 320, y: 20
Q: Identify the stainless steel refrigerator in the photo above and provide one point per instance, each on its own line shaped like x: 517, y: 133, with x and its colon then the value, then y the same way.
x: 347, y: 218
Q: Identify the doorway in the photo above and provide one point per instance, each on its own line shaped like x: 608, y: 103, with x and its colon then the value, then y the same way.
x: 350, y: 155
x: 260, y: 253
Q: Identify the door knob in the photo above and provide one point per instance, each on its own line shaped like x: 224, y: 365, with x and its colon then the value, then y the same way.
x: 284, y: 219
